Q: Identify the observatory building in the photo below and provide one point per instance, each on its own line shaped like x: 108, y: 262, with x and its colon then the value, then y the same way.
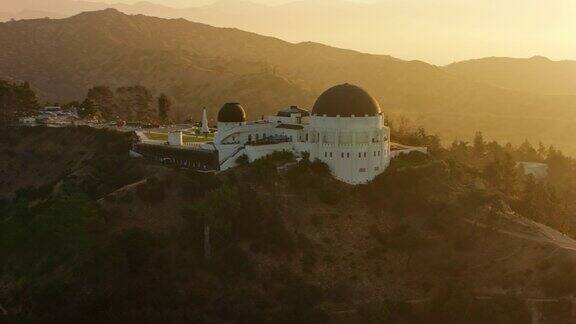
x: 345, y: 129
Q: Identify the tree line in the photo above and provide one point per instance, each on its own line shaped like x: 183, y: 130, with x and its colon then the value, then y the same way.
x: 16, y: 98
x: 551, y: 200
x: 131, y: 103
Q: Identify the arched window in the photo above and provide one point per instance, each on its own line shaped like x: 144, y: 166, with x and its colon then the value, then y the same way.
x: 359, y: 154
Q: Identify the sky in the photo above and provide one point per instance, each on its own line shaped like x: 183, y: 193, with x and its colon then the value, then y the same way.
x: 436, y: 31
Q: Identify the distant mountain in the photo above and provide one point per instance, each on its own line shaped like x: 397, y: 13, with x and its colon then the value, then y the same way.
x: 29, y: 14
x: 537, y: 74
x: 404, y: 28
x: 200, y: 65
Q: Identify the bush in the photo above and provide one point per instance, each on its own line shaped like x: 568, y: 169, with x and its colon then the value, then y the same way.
x: 153, y: 191
x: 242, y: 159
x: 558, y: 284
x: 385, y: 312
x: 309, y: 261
x: 194, y: 185
x: 275, y: 239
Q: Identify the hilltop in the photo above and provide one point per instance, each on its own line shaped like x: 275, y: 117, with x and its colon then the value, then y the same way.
x: 534, y: 75
x: 428, y: 241
x: 199, y: 65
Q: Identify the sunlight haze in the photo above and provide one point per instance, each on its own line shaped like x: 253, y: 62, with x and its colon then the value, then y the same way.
x: 435, y: 31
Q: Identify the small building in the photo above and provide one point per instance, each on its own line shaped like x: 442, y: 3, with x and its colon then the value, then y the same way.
x: 536, y: 169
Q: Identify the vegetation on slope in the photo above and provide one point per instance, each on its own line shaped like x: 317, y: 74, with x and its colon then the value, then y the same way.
x: 203, y: 66
x: 284, y: 244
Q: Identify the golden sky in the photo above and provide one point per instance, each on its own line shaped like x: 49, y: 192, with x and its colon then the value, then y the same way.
x: 435, y: 31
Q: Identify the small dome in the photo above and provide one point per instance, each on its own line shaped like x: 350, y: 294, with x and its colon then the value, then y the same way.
x: 346, y: 100
x: 231, y: 112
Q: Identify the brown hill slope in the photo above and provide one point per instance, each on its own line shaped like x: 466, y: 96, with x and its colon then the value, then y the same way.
x: 200, y: 65
x: 535, y: 75
x: 297, y: 247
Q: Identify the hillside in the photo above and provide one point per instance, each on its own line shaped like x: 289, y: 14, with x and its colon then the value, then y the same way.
x: 426, y: 242
x: 199, y: 65
x: 534, y: 75
x: 433, y: 31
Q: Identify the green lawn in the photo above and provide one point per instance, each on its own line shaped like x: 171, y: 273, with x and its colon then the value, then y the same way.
x: 187, y: 138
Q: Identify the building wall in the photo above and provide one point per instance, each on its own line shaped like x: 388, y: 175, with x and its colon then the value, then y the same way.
x: 356, y: 149
x: 255, y: 152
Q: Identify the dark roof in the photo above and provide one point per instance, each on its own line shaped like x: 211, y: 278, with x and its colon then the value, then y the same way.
x: 231, y: 112
x: 293, y: 110
x: 346, y: 100
x: 290, y: 126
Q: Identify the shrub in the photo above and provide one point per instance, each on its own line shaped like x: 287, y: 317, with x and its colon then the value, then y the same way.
x: 309, y: 261
x: 242, y: 159
x: 153, y: 191
x: 194, y: 185
x: 385, y: 312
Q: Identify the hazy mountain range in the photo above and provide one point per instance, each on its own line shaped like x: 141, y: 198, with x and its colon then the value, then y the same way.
x: 440, y: 31
x: 199, y: 65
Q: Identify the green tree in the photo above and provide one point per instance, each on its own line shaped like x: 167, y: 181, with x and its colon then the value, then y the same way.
x: 502, y: 173
x: 164, y: 105
x: 103, y: 100
x: 88, y: 108
x: 16, y: 99
x: 135, y: 103
x: 478, y: 144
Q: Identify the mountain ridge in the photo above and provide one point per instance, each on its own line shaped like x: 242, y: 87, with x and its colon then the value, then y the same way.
x: 537, y: 74
x: 201, y: 65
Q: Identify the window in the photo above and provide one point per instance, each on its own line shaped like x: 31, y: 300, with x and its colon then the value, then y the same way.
x: 330, y: 154
x: 306, y: 137
x: 359, y: 154
x: 374, y: 153
x: 342, y: 155
x: 325, y: 154
x: 362, y: 170
x: 364, y: 154
x: 348, y: 154
x: 376, y: 168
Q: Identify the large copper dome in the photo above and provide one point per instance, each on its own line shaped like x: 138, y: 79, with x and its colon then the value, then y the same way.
x: 346, y: 100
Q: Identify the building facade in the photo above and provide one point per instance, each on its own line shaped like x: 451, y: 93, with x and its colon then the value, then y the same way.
x: 345, y: 129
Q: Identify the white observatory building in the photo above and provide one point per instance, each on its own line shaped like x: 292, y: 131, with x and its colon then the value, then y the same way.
x: 345, y: 130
